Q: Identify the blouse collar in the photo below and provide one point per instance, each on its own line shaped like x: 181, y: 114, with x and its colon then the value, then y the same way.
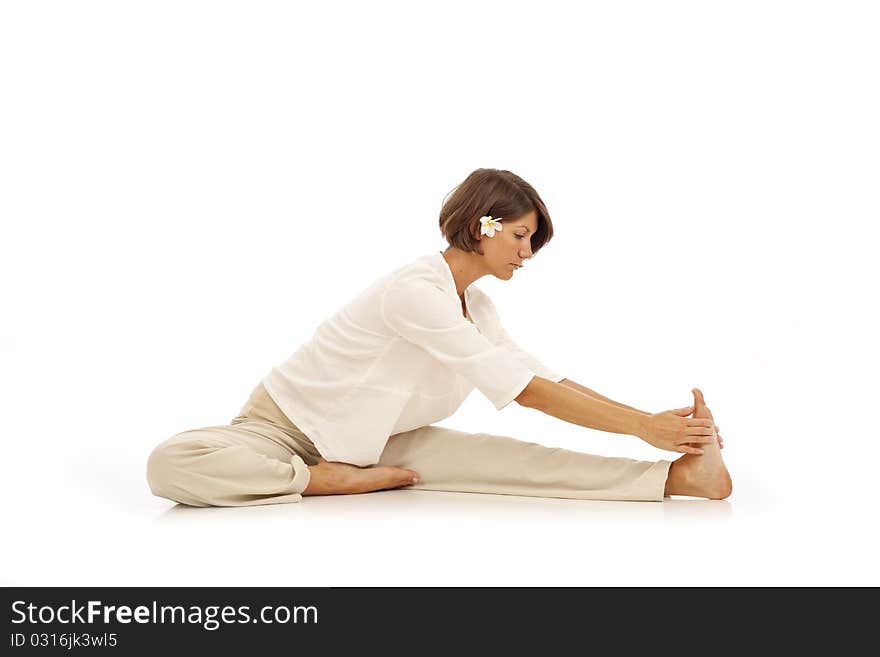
x: 440, y: 263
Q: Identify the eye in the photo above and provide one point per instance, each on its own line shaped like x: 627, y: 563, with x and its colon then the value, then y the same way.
x: 519, y: 237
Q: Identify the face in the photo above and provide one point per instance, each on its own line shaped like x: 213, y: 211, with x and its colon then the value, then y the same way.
x: 511, y: 245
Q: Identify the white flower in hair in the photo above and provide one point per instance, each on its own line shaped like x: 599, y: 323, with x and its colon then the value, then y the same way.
x: 490, y: 225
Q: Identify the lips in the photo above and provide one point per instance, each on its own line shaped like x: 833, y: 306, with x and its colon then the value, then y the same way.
x: 515, y: 265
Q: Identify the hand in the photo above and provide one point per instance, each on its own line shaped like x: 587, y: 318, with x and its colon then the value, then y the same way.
x: 675, y: 432
x: 689, y: 411
x: 717, y: 428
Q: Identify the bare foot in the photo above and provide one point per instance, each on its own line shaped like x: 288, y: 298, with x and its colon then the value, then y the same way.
x: 336, y: 478
x: 703, y: 475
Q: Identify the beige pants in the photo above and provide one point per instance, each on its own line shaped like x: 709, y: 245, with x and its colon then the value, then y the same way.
x: 261, y: 457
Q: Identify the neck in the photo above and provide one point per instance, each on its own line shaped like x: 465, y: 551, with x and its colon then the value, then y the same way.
x: 465, y: 267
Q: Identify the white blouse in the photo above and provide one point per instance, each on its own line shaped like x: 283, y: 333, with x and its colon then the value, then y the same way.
x: 400, y: 355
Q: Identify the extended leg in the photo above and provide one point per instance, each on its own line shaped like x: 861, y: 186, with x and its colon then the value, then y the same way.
x: 450, y: 460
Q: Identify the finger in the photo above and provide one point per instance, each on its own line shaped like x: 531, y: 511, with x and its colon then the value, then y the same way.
x: 690, y: 450
x: 694, y: 445
x: 698, y: 440
x: 698, y: 431
x: 700, y: 422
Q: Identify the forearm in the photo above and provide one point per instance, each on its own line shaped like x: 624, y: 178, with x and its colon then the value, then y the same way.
x: 592, y: 393
x: 573, y: 406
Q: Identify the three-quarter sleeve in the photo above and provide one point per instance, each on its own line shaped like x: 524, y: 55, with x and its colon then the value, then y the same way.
x: 426, y: 316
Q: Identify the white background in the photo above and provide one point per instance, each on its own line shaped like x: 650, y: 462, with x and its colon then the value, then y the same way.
x: 190, y: 188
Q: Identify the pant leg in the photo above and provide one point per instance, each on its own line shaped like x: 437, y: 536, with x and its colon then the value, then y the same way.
x: 451, y: 460
x: 260, y: 458
x: 261, y: 406
x: 234, y: 465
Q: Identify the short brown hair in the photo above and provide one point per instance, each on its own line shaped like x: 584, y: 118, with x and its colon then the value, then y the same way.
x: 493, y: 192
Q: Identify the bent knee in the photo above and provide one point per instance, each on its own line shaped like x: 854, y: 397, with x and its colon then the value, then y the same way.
x: 167, y: 473
x: 160, y: 470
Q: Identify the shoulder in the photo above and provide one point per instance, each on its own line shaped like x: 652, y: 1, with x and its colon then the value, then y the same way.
x: 417, y: 290
x: 418, y: 274
x: 411, y: 284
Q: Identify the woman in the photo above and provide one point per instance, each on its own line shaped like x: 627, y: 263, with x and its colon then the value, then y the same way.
x: 351, y: 411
